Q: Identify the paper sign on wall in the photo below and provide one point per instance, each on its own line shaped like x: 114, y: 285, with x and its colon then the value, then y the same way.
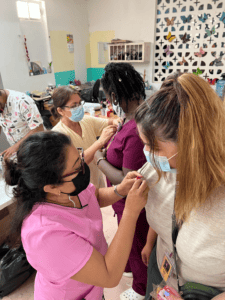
x: 70, y: 43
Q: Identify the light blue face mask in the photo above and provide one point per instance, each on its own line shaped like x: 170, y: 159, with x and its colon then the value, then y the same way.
x: 77, y: 113
x: 162, y: 161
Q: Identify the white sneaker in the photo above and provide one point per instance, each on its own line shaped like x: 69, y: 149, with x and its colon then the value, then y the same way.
x: 130, y: 294
x: 128, y: 274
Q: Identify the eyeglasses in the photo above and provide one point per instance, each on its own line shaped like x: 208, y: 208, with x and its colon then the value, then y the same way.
x: 82, y: 102
x: 82, y: 167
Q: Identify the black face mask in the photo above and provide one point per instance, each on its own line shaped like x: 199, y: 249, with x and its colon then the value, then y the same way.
x: 81, y: 181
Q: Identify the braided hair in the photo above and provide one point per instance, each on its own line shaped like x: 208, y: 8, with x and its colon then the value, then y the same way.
x: 124, y: 81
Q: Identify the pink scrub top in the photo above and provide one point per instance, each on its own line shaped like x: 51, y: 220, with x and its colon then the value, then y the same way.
x: 125, y: 151
x: 58, y: 242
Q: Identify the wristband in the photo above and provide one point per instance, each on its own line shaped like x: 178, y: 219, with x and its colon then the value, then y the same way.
x: 98, y: 161
x: 116, y: 192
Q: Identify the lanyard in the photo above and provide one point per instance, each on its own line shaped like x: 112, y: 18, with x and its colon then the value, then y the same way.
x: 175, y: 231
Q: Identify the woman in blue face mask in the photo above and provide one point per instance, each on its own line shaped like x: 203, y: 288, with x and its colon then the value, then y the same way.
x: 183, y: 129
x: 82, y: 129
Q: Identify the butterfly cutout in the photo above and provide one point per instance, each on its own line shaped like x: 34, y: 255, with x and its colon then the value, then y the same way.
x: 186, y: 20
x: 223, y: 17
x: 210, y: 32
x: 212, y: 81
x: 182, y: 62
x: 170, y: 37
x: 185, y: 38
x: 201, y: 53
x: 167, y: 51
x: 203, y: 18
x: 167, y: 66
x: 170, y: 22
x: 217, y: 62
x: 198, y: 72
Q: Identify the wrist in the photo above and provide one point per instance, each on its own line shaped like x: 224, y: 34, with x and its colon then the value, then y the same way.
x: 130, y: 213
x: 120, y: 190
x: 149, y: 245
x: 101, y: 144
x: 99, y: 159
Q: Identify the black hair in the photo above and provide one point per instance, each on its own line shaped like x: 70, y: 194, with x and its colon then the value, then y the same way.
x: 41, y: 160
x: 124, y: 81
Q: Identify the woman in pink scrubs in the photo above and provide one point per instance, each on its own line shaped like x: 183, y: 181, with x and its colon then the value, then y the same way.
x: 59, y: 220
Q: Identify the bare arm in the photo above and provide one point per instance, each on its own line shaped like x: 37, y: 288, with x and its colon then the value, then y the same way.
x: 219, y: 297
x: 114, y: 121
x: 114, y: 175
x: 151, y: 238
x: 106, y: 271
x: 90, y: 152
x: 99, y: 144
x: 107, y: 196
x: 8, y: 152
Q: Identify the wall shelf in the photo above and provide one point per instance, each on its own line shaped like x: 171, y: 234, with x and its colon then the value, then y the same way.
x: 130, y: 52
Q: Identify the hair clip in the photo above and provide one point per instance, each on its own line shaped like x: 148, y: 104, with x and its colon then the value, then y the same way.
x: 120, y: 79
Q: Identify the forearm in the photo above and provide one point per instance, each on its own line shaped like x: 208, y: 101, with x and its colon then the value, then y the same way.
x: 114, y: 175
x: 151, y: 237
x: 90, y: 152
x: 107, y: 196
x: 110, y: 122
x: 219, y: 297
x: 121, y: 244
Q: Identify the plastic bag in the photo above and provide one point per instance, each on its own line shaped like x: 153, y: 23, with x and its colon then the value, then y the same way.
x: 14, y: 269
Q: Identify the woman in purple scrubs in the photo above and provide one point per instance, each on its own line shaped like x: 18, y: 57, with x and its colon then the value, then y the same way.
x: 123, y: 86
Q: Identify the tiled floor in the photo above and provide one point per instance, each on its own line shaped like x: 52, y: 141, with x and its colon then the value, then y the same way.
x: 26, y: 291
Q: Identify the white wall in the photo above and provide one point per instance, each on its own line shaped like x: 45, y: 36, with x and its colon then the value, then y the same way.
x: 71, y: 15
x: 130, y: 19
x: 36, y: 32
x: 13, y: 64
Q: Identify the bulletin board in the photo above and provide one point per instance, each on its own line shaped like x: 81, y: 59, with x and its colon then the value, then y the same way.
x: 190, y: 37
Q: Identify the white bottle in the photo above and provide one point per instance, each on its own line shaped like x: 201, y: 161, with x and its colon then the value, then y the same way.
x: 92, y: 111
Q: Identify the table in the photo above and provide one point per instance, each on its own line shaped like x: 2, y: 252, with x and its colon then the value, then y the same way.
x: 6, y: 197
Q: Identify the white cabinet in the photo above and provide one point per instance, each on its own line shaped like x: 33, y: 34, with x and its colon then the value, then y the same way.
x: 130, y: 52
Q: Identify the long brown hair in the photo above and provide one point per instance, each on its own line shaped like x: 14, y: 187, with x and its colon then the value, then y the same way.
x: 61, y: 96
x: 188, y: 112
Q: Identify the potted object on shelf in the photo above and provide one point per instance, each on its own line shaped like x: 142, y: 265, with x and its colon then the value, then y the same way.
x: 49, y: 69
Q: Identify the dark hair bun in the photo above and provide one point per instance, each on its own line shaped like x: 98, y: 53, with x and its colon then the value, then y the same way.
x: 11, y: 172
x: 54, y: 112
